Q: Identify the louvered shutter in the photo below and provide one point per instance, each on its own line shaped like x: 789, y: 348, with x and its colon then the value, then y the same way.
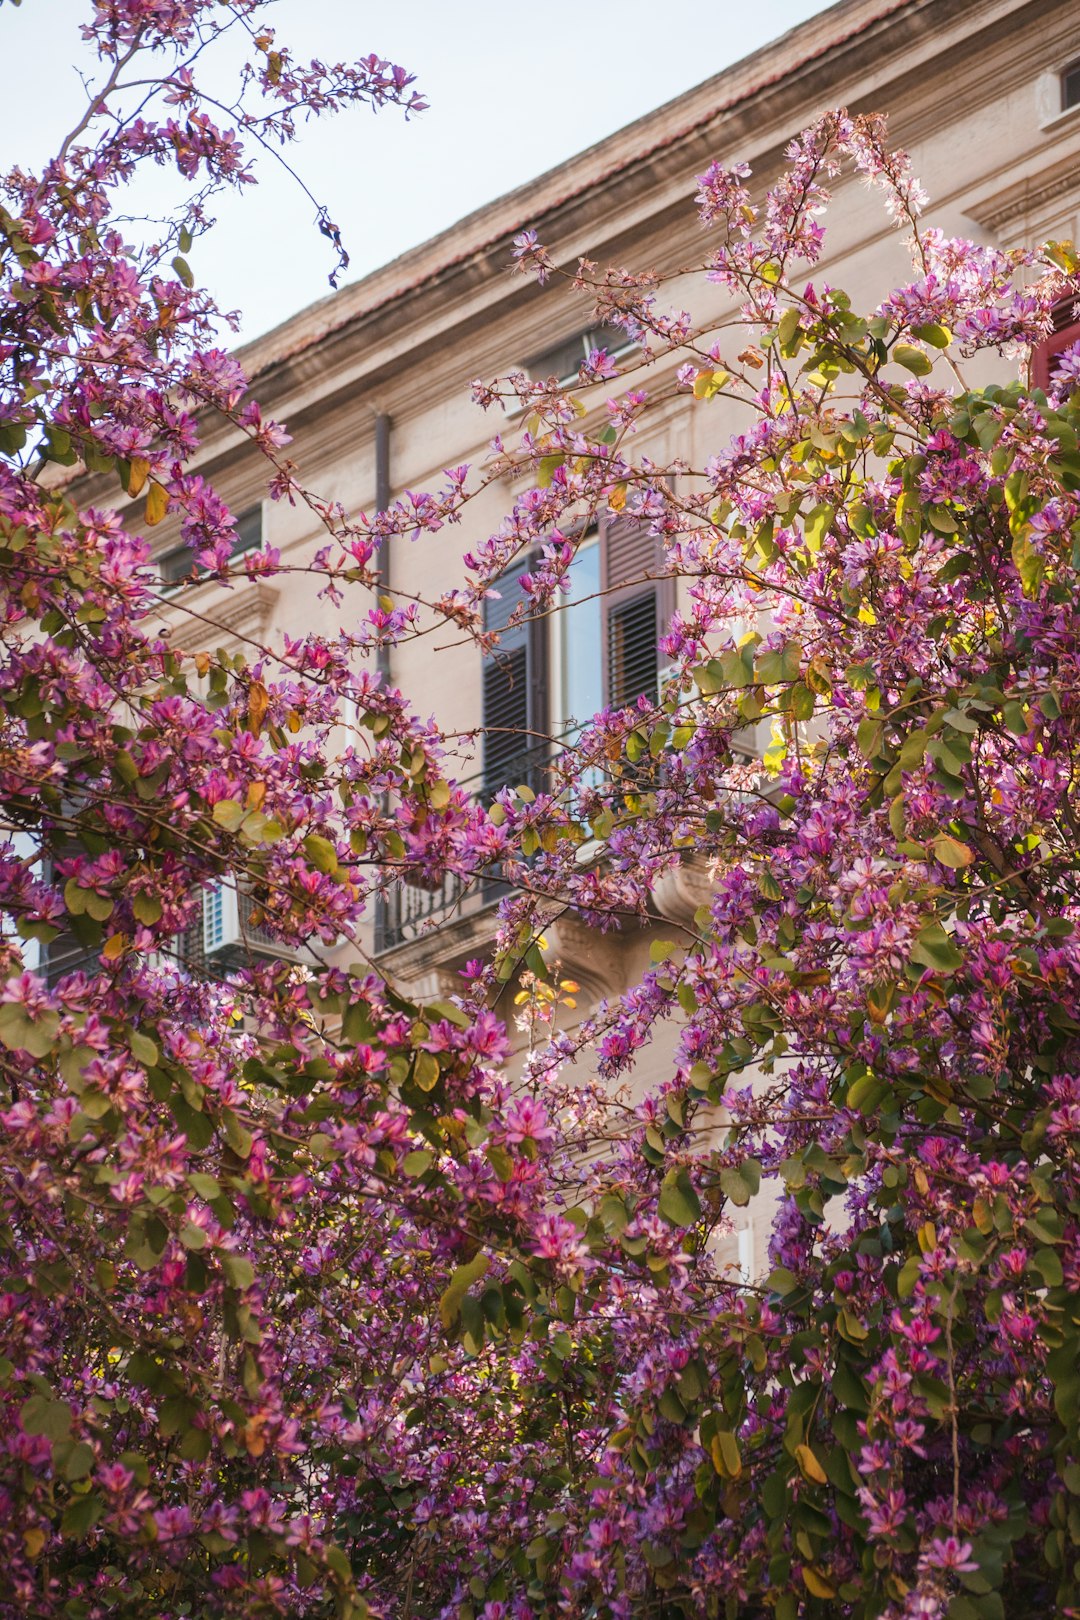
x: 514, y: 693
x: 636, y: 609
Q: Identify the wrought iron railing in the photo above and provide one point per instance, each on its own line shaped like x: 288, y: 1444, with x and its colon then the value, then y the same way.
x: 408, y: 910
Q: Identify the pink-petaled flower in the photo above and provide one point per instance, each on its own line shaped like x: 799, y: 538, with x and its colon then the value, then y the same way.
x: 529, y: 255
x: 114, y: 1478
x: 555, y: 1238
x: 948, y: 1552
x: 526, y: 1118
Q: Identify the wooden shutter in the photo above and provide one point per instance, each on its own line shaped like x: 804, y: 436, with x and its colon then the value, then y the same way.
x: 514, y: 693
x: 1066, y: 332
x: 636, y: 608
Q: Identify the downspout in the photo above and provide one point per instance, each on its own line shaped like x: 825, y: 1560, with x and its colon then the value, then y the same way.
x: 382, y: 502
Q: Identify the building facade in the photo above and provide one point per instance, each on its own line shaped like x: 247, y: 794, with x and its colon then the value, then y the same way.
x: 374, y: 384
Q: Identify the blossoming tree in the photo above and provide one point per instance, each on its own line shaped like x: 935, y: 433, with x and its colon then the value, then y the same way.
x: 312, y: 1304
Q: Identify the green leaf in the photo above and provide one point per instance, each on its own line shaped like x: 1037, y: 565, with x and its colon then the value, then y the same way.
x: 41, y: 1415
x: 321, y: 853
x: 737, y: 1185
x: 73, y: 1459
x: 788, y: 332
x: 237, y: 1134
x: 782, y: 1281
x: 1048, y: 1264
x: 816, y: 526
x: 909, y: 1276
x: 147, y: 909
x: 868, y: 737
x: 81, y: 1515
x: 143, y: 1049
x: 21, y: 1033
x: 460, y: 1283
x: 934, y: 949
x: 86, y: 902
x: 238, y: 1270
x: 678, y: 1201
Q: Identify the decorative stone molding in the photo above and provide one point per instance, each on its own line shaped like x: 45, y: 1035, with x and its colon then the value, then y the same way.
x: 682, y: 889
x: 1049, y: 193
x: 239, y: 620
x: 596, y: 961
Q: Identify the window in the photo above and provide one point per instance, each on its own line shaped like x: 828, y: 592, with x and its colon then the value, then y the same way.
x: 1070, y: 87
x: 636, y: 607
x: 514, y: 691
x: 601, y: 647
x: 178, y: 565
x: 1066, y: 332
x: 576, y: 631
x: 563, y: 360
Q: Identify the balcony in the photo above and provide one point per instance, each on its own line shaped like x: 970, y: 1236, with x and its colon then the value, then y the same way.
x: 428, y: 932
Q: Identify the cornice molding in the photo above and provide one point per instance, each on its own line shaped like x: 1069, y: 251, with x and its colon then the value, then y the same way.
x: 1030, y: 193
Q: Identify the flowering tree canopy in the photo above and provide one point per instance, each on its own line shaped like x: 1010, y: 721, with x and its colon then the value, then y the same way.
x: 312, y: 1304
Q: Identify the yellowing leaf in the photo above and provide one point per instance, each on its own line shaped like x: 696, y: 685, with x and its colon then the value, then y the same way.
x: 912, y: 359
x: 724, y: 1451
x: 258, y: 703
x: 933, y: 332
x: 228, y: 813
x: 816, y: 1583
x: 138, y: 474
x: 809, y: 1465
x: 708, y: 383
x: 426, y: 1070
x: 157, y: 503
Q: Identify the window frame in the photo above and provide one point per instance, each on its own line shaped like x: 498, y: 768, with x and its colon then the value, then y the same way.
x: 243, y: 544
x: 1066, y: 332
x: 1071, y: 70
x: 586, y: 341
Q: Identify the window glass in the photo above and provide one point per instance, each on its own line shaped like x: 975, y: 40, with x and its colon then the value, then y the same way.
x: 179, y: 564
x: 581, y: 674
x: 563, y: 359
x: 1070, y: 87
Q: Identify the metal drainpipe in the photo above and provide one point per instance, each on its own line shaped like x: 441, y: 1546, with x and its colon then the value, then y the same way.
x: 382, y: 501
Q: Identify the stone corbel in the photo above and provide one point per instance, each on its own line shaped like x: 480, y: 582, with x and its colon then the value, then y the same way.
x: 596, y: 961
x: 681, y: 890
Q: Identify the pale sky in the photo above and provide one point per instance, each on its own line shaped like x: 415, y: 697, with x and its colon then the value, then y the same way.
x: 514, y: 91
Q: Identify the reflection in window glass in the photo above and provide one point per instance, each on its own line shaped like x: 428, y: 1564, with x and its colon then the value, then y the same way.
x: 581, y: 669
